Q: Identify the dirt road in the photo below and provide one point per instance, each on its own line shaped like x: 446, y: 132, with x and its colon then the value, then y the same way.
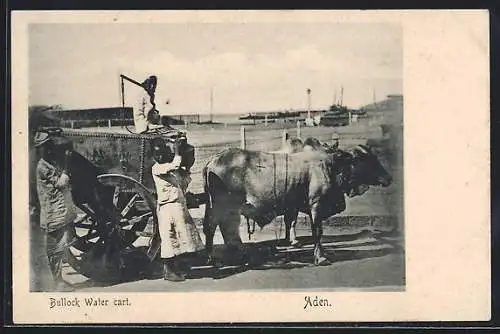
x: 362, y: 259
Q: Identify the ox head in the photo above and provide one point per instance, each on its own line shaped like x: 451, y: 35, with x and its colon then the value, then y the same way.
x: 365, y: 171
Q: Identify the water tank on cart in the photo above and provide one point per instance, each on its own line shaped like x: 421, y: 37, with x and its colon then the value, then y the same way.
x: 125, y: 153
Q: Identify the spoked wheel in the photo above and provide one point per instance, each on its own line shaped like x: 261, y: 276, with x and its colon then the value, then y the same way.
x: 101, y: 243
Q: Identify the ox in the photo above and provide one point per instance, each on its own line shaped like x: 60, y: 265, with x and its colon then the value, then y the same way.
x: 262, y: 186
x: 294, y: 145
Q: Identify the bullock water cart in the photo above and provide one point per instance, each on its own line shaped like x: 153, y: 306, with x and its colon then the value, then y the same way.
x: 124, y: 220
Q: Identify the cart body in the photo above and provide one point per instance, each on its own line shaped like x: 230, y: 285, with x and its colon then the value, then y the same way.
x: 124, y: 161
x: 126, y: 154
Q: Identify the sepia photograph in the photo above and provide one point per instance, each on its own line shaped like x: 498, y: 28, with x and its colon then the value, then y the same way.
x: 228, y: 156
x: 249, y: 161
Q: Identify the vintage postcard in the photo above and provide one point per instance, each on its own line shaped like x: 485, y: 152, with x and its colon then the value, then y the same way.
x: 250, y: 166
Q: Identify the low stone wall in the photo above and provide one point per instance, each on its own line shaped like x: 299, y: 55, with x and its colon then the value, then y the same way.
x: 378, y: 222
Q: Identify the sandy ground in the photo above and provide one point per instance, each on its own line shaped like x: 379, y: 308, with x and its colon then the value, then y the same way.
x: 363, y: 258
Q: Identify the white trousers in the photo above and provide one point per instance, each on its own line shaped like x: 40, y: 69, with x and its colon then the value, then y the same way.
x: 178, y: 232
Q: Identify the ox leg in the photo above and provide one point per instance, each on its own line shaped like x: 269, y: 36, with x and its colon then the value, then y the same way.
x: 288, y: 225
x: 209, y: 232
x: 225, y: 214
x: 230, y: 230
x: 290, y: 219
x: 209, y: 228
x: 317, y: 233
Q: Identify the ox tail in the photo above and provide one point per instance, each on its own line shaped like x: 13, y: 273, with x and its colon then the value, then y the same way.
x: 209, y: 203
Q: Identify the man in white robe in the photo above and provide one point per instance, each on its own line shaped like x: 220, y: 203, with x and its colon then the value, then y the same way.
x: 178, y: 233
x: 146, y: 117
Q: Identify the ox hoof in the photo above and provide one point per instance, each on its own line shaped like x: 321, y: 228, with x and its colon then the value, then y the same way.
x: 322, y: 261
x: 296, y: 244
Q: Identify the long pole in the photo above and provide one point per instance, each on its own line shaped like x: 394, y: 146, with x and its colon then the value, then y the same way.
x: 123, y: 76
x: 242, y: 138
x: 375, y: 100
x: 122, y: 93
x: 211, y: 103
x: 284, y: 138
x: 308, y: 103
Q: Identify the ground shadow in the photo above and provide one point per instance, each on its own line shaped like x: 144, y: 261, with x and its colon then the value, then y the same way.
x: 268, y: 255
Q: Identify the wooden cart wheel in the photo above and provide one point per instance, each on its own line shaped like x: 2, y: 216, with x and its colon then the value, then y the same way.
x: 99, y: 249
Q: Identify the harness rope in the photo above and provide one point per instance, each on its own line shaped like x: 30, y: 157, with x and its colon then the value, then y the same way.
x: 283, y: 203
x: 251, y: 228
x: 284, y: 200
x: 250, y: 231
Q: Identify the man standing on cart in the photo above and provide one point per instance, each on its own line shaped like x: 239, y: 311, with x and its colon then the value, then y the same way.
x: 146, y: 116
x: 178, y: 233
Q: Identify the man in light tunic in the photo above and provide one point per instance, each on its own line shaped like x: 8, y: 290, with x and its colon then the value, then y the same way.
x: 146, y: 117
x: 178, y: 232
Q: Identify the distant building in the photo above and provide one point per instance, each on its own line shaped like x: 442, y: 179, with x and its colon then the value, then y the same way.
x: 113, y: 113
x: 291, y: 116
x: 387, y: 111
x: 187, y: 119
x: 393, y: 102
x: 171, y: 120
x: 80, y: 118
x: 113, y: 116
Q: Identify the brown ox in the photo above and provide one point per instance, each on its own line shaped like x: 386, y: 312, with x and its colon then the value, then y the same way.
x: 294, y: 145
x: 262, y: 186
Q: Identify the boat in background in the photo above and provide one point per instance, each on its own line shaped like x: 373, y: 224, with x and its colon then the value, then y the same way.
x: 336, y: 115
x: 270, y: 115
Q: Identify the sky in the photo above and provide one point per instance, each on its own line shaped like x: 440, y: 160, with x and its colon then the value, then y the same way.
x: 249, y: 66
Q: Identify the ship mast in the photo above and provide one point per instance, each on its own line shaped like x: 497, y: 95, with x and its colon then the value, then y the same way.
x: 341, y: 95
x: 375, y: 100
x: 211, y: 103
